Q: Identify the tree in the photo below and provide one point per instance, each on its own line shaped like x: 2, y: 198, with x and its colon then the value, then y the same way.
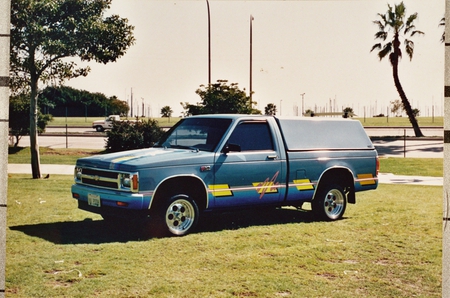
x: 270, y: 109
x: 396, y: 107
x: 61, y: 101
x: 45, y: 33
x: 348, y: 112
x: 166, y: 112
x: 396, y: 22
x: 220, y: 98
x: 19, y: 122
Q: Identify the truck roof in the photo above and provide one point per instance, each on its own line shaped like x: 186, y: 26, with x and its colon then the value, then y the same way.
x: 323, y: 133
x: 310, y: 133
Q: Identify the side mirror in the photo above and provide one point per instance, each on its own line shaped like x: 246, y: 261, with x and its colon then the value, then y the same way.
x: 231, y: 147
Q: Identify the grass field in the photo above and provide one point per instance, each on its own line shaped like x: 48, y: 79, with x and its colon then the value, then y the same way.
x: 384, y: 247
x: 373, y: 121
x: 49, y: 155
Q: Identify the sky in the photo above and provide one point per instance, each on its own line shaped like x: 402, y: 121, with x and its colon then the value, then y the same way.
x: 320, y: 49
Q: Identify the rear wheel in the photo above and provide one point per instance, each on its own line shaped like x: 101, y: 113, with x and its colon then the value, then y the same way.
x: 99, y: 128
x: 178, y: 216
x: 330, y: 202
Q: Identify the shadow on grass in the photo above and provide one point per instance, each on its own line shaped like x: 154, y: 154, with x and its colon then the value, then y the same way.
x: 101, y: 231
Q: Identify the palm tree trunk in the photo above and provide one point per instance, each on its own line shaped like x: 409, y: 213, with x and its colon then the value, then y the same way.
x: 405, y: 101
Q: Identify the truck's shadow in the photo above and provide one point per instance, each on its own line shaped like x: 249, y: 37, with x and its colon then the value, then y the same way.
x: 99, y: 231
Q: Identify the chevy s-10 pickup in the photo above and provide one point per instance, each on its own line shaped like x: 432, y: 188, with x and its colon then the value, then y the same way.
x: 219, y: 162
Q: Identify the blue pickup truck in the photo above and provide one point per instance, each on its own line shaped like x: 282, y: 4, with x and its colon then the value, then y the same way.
x: 218, y: 162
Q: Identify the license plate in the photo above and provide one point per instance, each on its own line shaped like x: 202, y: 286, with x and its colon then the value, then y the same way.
x: 94, y: 200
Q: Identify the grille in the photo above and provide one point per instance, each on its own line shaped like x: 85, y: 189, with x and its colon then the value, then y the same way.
x: 100, y: 178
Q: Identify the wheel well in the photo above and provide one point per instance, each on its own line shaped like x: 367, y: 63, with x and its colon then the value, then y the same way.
x: 340, y: 176
x: 190, y: 186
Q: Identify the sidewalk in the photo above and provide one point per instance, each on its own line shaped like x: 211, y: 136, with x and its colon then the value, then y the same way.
x: 382, y: 177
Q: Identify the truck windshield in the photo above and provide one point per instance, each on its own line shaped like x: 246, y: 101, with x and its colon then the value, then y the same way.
x: 195, y: 133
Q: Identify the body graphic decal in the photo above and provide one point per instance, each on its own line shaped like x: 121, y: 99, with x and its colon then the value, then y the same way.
x: 366, y: 179
x: 268, y: 186
x: 303, y: 184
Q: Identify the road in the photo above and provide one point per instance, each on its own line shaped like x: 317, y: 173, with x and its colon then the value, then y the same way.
x: 430, y: 148
x: 402, y: 131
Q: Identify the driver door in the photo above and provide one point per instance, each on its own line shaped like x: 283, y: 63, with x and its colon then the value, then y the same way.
x: 252, y: 174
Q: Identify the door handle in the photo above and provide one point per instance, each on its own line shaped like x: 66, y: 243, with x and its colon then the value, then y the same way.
x: 272, y: 156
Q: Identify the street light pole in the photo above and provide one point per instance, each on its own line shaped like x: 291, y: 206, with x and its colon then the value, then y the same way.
x: 303, y: 103
x: 251, y: 58
x: 209, y: 44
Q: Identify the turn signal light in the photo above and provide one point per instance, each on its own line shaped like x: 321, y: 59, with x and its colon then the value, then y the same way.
x: 135, y: 182
x: 122, y: 204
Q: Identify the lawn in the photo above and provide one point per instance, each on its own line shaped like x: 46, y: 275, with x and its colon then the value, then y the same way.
x: 49, y: 155
x: 384, y: 247
x: 401, y: 121
x: 369, y: 121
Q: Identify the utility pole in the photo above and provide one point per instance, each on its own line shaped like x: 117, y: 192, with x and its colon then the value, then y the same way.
x: 251, y: 58
x: 303, y: 103
x: 209, y: 44
x: 5, y: 13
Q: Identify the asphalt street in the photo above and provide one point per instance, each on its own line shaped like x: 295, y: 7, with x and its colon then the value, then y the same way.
x: 393, y: 146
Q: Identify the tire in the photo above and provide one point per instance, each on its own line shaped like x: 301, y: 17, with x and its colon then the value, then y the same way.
x: 177, y: 217
x: 99, y: 128
x: 330, y: 202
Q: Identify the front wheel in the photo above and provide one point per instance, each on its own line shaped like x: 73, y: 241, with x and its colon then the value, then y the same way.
x: 330, y: 202
x: 178, y: 216
x: 99, y: 128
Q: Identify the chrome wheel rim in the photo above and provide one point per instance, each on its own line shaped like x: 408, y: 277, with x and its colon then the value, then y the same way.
x: 180, y: 216
x: 334, y: 203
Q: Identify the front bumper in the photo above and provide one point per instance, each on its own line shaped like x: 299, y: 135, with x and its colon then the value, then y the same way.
x: 109, y: 200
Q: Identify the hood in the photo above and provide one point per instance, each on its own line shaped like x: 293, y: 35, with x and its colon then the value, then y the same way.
x: 135, y: 160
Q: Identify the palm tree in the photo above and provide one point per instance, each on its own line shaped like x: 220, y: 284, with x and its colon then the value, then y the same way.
x: 395, y: 22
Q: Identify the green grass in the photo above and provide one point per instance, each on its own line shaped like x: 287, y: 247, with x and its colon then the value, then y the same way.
x: 433, y: 167
x: 401, y: 121
x: 384, y: 247
x: 49, y: 155
x: 370, y: 121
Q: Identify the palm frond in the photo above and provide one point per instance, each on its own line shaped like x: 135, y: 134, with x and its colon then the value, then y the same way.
x: 376, y: 46
x: 381, y: 35
x: 385, y: 51
x: 379, y: 24
x: 409, y: 46
x: 411, y: 19
x: 442, y: 23
x: 417, y: 32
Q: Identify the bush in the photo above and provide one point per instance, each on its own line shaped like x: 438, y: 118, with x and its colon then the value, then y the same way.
x: 126, y: 135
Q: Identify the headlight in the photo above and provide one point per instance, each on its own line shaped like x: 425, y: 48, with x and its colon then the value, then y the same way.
x: 126, y: 180
x: 130, y: 181
x: 78, y: 173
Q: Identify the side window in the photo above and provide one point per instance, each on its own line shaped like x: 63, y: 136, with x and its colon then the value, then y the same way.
x: 252, y: 136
